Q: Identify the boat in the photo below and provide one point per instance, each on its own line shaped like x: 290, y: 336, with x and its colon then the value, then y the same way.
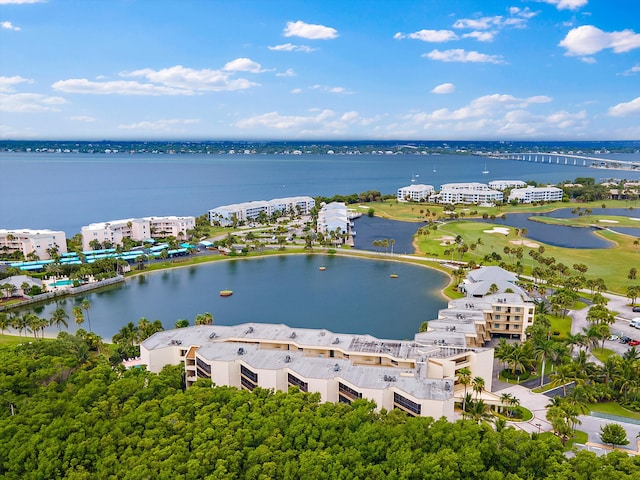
x: 226, y: 293
x: 434, y: 169
x: 394, y: 275
x: 485, y: 171
x: 323, y: 268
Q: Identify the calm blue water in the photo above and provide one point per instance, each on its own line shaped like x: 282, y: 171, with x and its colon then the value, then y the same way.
x: 67, y: 191
x: 369, y: 229
x: 350, y: 296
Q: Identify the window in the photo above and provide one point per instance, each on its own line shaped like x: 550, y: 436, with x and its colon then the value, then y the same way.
x: 296, y: 382
x: 245, y: 372
x: 204, y: 369
x: 497, y: 317
x: 348, y: 392
x: 406, y: 404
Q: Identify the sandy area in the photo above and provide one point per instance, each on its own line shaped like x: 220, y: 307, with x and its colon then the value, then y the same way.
x: 609, y: 221
x: 446, y: 238
x: 634, y: 218
x: 526, y: 243
x: 502, y: 230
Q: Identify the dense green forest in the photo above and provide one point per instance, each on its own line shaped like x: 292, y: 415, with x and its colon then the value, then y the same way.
x: 67, y: 412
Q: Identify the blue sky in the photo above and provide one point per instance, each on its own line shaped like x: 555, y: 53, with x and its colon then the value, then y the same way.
x: 326, y: 69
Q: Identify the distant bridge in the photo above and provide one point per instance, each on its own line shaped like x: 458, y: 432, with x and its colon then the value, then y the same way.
x: 569, y: 159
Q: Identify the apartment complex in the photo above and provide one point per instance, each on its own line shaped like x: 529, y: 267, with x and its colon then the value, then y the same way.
x: 470, y: 193
x: 138, y: 229
x: 242, y: 212
x: 415, y: 193
x: 536, y: 194
x: 27, y: 241
x: 333, y: 217
x: 416, y: 376
x: 504, y: 184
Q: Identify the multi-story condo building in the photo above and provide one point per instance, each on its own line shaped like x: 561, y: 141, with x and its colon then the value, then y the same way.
x: 536, y: 194
x: 416, y: 376
x: 138, y: 229
x: 242, y: 212
x: 415, y: 192
x: 36, y: 242
x: 333, y: 217
x: 471, y: 193
x: 504, y: 184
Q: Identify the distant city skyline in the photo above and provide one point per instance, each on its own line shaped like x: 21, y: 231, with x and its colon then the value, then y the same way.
x: 523, y: 70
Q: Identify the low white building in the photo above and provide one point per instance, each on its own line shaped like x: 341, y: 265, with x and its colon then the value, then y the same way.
x: 536, y: 194
x: 415, y: 192
x: 504, y: 184
x: 333, y: 217
x: 414, y: 376
x: 38, y: 242
x: 138, y: 229
x: 242, y: 212
x: 470, y: 193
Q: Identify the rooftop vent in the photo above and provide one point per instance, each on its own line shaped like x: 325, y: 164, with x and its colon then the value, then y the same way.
x: 250, y: 330
x: 241, y: 351
x: 336, y: 368
x: 287, y: 359
x: 293, y: 335
x: 389, y: 378
x: 336, y: 341
x: 213, y: 335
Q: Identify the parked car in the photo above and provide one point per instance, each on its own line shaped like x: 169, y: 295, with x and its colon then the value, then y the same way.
x: 636, y: 309
x: 613, y: 338
x: 635, y: 322
x: 624, y: 339
x: 633, y: 343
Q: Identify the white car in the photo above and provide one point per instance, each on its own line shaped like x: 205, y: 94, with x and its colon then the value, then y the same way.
x: 635, y: 322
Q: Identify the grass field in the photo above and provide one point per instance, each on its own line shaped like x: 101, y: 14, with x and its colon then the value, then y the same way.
x: 613, y: 408
x: 602, y: 354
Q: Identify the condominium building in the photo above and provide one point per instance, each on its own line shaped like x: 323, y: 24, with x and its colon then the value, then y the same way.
x: 36, y: 242
x: 504, y: 184
x: 415, y: 192
x: 138, y: 229
x: 470, y: 193
x: 242, y: 212
x: 416, y: 376
x: 536, y: 194
x: 333, y: 217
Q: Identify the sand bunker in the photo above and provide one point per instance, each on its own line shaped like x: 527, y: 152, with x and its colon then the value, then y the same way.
x: 446, y: 238
x: 502, y: 230
x: 526, y: 243
x: 609, y: 221
x: 634, y: 218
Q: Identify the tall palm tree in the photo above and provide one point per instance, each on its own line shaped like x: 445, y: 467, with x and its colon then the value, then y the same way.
x: 478, y: 411
x: 477, y: 384
x: 4, y: 322
x: 543, y: 348
x: 86, y: 305
x: 58, y: 318
x: 464, y: 378
x: 78, y: 316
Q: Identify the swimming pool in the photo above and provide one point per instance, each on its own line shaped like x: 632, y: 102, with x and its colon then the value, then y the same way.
x: 62, y: 283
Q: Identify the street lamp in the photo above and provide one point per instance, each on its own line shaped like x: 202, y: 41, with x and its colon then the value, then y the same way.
x: 538, y: 425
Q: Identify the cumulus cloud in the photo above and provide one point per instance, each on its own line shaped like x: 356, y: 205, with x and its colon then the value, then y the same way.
x: 7, y: 83
x: 480, y: 36
x: 326, y: 88
x: 290, y: 47
x: 289, y: 72
x: 29, y: 103
x: 588, y: 40
x: 9, y: 26
x: 434, y: 36
x: 632, y: 71
x: 309, y: 31
x: 158, y: 125
x: 518, y: 19
x: 20, y: 2
x: 566, y: 4
x: 460, y: 55
x: 243, y: 65
x: 444, y: 88
x: 177, y: 80
x: 82, y: 118
x: 315, y: 122
x: 295, y: 91
x: 626, y: 109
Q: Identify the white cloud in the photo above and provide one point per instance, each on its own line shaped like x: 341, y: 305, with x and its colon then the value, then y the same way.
x: 326, y: 88
x: 460, y: 55
x: 7, y: 83
x: 625, y: 109
x: 243, y: 65
x: 29, y: 102
x: 9, y: 26
x: 82, y: 118
x: 632, y: 71
x: 588, y: 40
x: 20, y: 2
x: 480, y: 36
x: 290, y: 47
x: 522, y: 12
x: 179, y: 77
x: 566, y: 4
x: 444, y: 88
x: 318, y: 121
x: 434, y: 36
x: 588, y: 60
x: 310, y: 31
x: 118, y: 87
x: 289, y: 72
x: 295, y: 91
x: 158, y: 125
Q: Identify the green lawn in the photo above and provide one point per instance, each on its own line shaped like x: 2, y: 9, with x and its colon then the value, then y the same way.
x: 561, y: 325
x: 601, y: 354
x: 8, y: 339
x: 613, y: 408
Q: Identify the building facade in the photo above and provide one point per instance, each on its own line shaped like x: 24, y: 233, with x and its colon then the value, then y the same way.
x: 416, y: 376
x: 226, y: 215
x: 536, y: 194
x: 415, y: 193
x: 504, y: 184
x: 333, y: 217
x: 469, y: 193
x: 137, y: 229
x: 35, y: 242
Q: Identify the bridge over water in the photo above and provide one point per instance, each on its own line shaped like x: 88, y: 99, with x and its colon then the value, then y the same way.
x: 569, y: 159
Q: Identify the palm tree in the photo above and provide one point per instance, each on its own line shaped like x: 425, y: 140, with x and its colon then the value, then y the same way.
x: 86, y: 305
x: 477, y: 384
x: 78, y: 316
x: 59, y: 317
x: 543, y: 349
x: 464, y: 378
x: 4, y: 322
x: 478, y: 411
